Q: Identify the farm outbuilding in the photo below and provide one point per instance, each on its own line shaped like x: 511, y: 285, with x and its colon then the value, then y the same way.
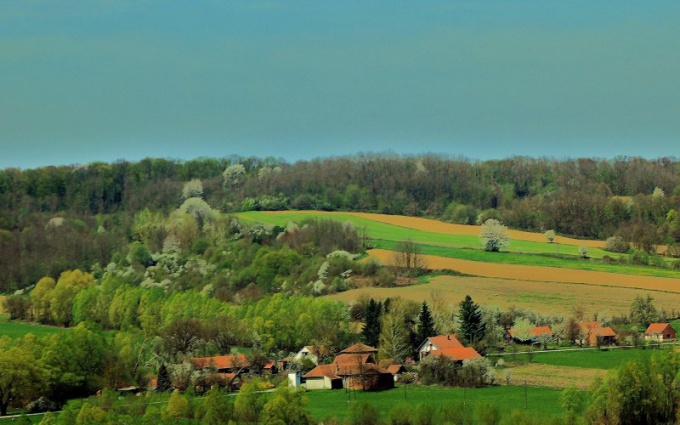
x: 659, y: 332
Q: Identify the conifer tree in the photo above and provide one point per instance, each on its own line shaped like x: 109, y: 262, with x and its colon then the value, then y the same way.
x: 472, y: 328
x: 163, y: 383
x: 371, y: 331
x: 425, y: 324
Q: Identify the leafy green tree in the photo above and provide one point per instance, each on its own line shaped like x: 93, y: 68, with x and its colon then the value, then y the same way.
x: 217, y: 409
x: 394, y: 337
x: 91, y: 415
x: 21, y: 378
x: 178, y: 407
x: 48, y: 419
x: 41, y: 297
x: 642, y: 310
x: 69, y: 284
x: 286, y: 407
x: 472, y: 327
x: 23, y: 420
x: 363, y: 413
x: 249, y: 402
x: 494, y: 235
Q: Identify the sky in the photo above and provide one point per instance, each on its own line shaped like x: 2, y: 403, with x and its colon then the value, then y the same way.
x: 84, y: 81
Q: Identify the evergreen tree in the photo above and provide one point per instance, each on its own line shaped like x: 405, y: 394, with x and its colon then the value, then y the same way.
x: 425, y: 324
x: 472, y: 328
x: 371, y: 331
x: 163, y: 383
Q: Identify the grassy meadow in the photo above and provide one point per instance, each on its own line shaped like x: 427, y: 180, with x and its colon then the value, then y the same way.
x: 14, y: 329
x: 540, y: 401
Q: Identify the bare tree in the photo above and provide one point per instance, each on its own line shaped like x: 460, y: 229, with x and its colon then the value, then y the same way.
x: 408, y: 259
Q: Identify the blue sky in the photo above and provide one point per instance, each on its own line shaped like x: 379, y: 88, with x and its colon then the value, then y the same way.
x: 83, y: 81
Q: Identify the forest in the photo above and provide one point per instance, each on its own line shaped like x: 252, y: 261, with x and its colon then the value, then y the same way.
x: 61, y: 218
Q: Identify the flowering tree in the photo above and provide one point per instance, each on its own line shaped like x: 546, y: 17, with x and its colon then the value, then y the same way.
x: 494, y: 235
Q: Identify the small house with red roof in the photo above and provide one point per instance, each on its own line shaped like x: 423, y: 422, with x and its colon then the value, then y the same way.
x: 438, y: 342
x: 593, y: 334
x: 659, y: 332
x: 231, y: 363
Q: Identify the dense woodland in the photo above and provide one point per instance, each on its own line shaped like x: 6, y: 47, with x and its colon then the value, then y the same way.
x: 60, y: 218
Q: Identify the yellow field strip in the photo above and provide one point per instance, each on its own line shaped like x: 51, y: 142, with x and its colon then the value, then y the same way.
x: 538, y: 273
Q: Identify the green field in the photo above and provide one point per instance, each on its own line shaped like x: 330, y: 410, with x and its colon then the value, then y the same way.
x: 466, y: 247
x: 15, y: 329
x: 541, y: 401
x: 592, y: 359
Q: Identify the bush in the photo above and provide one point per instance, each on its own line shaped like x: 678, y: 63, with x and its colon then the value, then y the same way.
x: 616, y: 244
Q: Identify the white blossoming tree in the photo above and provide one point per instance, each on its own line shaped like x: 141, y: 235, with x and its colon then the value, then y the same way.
x: 494, y: 235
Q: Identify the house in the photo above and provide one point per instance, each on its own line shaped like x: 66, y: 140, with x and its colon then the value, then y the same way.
x: 458, y: 354
x: 354, y: 367
x: 591, y: 333
x: 438, y: 342
x: 659, y: 332
x: 310, y: 352
x: 231, y: 363
x: 530, y: 336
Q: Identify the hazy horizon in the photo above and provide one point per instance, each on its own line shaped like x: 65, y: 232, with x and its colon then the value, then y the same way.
x: 102, y: 81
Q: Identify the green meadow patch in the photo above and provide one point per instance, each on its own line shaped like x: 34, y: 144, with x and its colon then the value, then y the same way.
x: 336, y: 403
x: 588, y: 358
x: 14, y: 329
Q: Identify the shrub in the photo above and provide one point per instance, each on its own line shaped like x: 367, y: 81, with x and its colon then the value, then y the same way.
x: 616, y: 244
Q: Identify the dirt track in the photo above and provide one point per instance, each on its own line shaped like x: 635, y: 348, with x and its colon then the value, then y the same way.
x: 538, y: 273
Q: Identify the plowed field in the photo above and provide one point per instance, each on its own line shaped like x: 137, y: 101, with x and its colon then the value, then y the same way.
x: 429, y: 225
x: 548, y: 298
x: 538, y: 273
x: 541, y: 375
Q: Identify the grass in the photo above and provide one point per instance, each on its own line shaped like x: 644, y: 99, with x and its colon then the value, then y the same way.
x: 542, y: 401
x: 15, y: 329
x: 591, y: 359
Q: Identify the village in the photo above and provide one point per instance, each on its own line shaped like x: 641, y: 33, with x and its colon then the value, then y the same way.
x: 358, y: 367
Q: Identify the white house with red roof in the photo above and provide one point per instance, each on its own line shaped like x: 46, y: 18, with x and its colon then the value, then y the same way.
x: 659, y: 332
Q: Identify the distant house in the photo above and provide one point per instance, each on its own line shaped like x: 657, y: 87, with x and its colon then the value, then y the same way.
x: 354, y: 367
x: 438, y: 342
x: 659, y: 332
x: 310, y: 352
x: 532, y: 335
x: 591, y: 333
x: 231, y: 363
x: 458, y: 354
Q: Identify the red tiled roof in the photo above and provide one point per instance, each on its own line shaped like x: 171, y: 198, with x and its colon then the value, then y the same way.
x: 358, y: 348
x: 230, y: 361
x: 269, y: 365
x: 395, y: 368
x: 656, y: 328
x: 352, y: 358
x: 588, y: 325
x: 458, y: 354
x: 600, y: 331
x: 322, y: 370
x: 227, y: 377
x: 445, y: 341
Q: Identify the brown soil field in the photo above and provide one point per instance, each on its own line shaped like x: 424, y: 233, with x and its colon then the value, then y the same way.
x: 541, y: 375
x: 539, y: 273
x: 547, y: 298
x: 430, y: 225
